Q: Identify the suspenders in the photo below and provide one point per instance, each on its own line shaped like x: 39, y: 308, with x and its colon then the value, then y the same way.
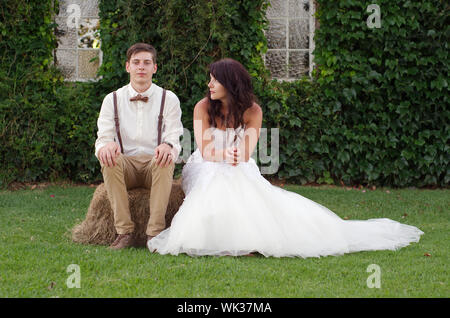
x: 116, y: 119
x: 160, y: 118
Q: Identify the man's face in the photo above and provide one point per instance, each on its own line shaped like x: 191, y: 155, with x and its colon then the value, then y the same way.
x: 141, y: 67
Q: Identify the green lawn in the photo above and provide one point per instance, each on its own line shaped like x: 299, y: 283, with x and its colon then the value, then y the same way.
x: 36, y: 249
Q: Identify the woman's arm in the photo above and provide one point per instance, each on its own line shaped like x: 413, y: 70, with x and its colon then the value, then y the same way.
x: 253, y: 122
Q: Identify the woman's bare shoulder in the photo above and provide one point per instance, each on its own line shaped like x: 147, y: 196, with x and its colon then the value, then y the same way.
x: 256, y: 109
x: 201, y: 108
x: 202, y: 104
x: 253, y: 111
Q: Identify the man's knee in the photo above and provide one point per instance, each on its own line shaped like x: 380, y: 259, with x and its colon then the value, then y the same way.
x: 113, y: 169
x: 163, y: 169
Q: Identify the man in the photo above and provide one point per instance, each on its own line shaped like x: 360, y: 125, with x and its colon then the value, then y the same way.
x: 142, y: 160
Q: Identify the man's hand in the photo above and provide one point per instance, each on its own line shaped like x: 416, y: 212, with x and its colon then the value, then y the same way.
x: 163, y: 155
x: 108, y: 154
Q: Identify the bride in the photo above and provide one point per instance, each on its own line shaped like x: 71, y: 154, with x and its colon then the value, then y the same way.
x: 231, y: 209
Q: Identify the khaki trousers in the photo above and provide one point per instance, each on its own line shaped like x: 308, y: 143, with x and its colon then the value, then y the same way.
x: 132, y: 172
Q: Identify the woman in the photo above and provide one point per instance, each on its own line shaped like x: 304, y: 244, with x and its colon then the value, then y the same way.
x: 231, y: 209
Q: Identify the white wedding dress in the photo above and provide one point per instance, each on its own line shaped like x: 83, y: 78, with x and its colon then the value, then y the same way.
x: 236, y: 211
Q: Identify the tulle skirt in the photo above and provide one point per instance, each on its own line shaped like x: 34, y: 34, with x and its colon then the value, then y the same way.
x: 236, y: 211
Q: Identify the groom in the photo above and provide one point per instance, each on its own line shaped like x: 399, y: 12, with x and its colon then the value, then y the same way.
x: 135, y: 146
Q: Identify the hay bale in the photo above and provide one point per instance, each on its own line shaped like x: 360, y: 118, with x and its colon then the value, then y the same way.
x: 98, y: 227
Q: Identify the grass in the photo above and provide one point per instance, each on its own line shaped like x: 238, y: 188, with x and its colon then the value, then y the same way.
x: 35, y: 251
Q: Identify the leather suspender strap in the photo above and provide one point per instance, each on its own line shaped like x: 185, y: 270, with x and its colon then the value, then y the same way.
x: 160, y: 117
x: 116, y: 119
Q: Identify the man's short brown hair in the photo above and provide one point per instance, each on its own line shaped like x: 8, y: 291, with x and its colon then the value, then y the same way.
x: 141, y: 47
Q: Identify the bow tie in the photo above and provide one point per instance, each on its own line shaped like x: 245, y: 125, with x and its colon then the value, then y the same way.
x: 139, y: 97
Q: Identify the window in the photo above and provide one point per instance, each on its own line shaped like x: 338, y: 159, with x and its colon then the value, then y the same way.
x: 78, y: 54
x: 290, y: 38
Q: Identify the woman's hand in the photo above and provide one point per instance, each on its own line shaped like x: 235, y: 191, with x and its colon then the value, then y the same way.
x: 233, y: 156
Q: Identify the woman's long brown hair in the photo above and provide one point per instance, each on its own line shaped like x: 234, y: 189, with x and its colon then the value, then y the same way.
x: 237, y: 81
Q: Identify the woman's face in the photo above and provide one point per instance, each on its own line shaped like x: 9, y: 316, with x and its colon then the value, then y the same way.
x: 217, y: 90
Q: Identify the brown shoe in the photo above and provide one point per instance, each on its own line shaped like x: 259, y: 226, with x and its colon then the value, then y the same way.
x: 122, y: 241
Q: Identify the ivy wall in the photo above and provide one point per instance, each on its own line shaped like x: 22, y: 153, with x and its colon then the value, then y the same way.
x: 374, y: 112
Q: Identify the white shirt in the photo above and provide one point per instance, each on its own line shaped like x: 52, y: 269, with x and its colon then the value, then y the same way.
x: 138, y: 121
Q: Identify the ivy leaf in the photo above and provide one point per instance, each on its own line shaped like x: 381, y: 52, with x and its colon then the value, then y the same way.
x: 343, y: 156
x: 295, y: 122
x: 349, y: 93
